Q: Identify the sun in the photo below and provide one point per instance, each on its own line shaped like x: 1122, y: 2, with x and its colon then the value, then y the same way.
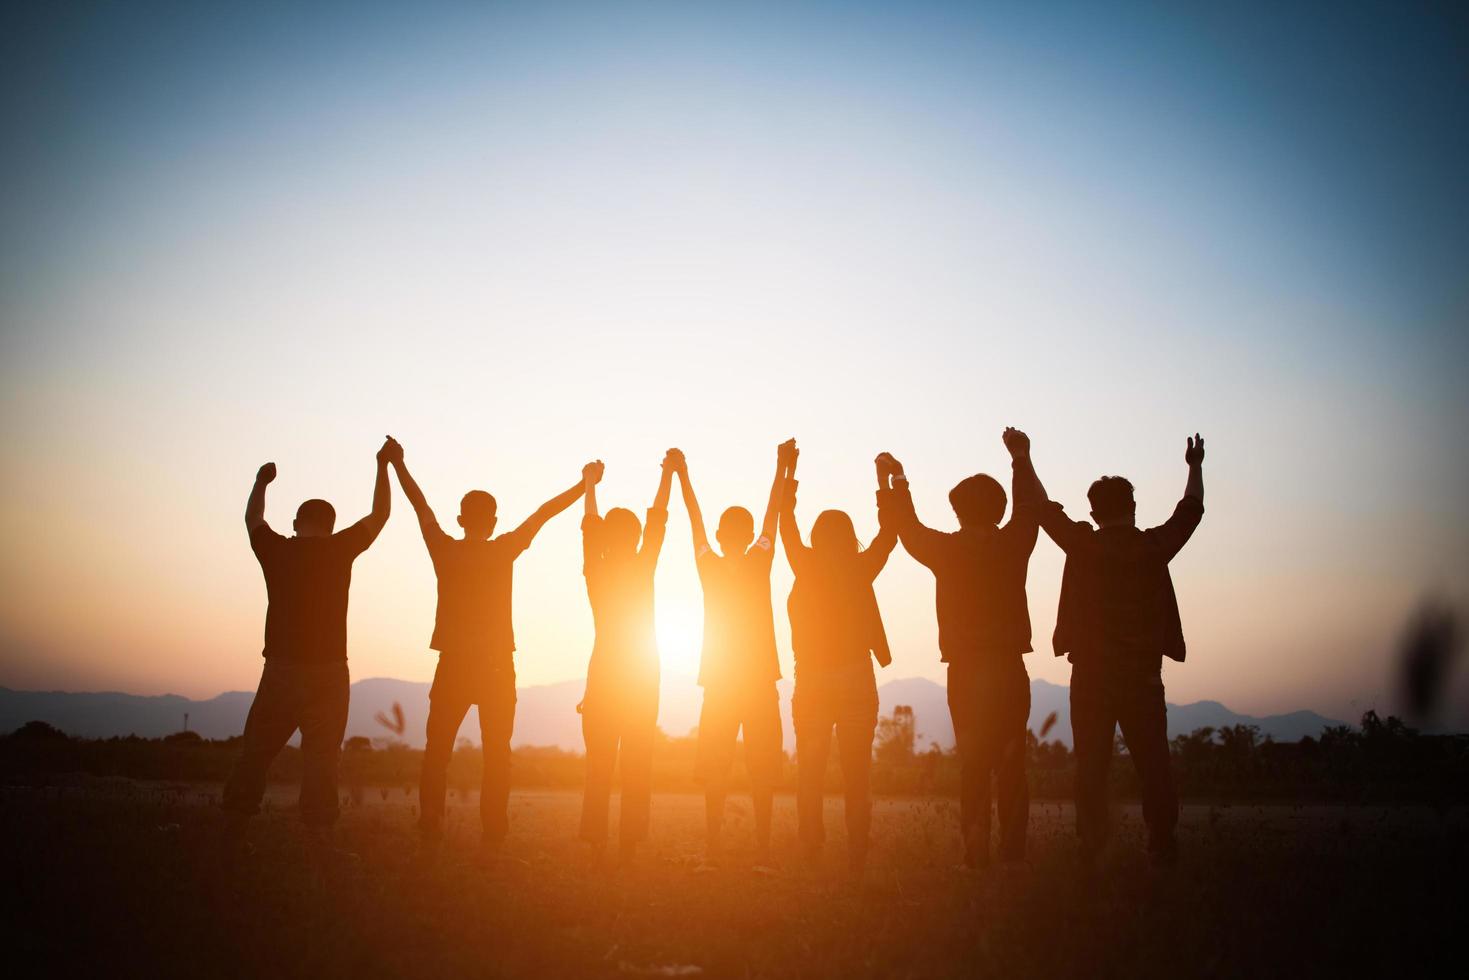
x: 680, y: 626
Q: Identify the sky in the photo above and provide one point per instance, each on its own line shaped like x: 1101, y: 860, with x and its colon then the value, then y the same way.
x: 519, y: 237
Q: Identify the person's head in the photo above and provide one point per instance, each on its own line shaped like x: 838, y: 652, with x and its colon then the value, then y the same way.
x: 833, y: 535
x: 620, y: 532
x: 477, y: 515
x: 736, y: 531
x: 315, y: 519
x: 978, y: 499
x: 1112, y: 503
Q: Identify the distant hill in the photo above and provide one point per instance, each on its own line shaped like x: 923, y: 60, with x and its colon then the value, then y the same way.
x: 546, y: 714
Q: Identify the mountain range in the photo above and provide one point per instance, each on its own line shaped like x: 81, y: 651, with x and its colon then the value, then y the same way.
x: 546, y: 714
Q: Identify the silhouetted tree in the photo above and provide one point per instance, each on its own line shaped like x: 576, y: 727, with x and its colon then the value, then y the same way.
x: 40, y: 730
x: 896, y: 736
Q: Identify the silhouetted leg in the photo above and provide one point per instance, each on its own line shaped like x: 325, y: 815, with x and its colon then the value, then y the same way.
x: 854, y: 745
x: 1144, y: 718
x: 762, y: 800
x: 496, y: 725
x: 813, y: 749
x: 446, y: 711
x: 269, y: 725
x: 763, y: 759
x: 718, y: 728
x: 637, y: 774
x: 974, y: 761
x: 1093, y: 722
x: 600, y: 734
x: 323, y: 723
x: 1012, y: 791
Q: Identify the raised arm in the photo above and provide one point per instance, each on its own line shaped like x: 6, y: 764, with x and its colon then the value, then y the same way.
x: 528, y: 528
x: 591, y: 475
x: 876, y: 554
x: 790, y: 532
x: 895, y: 512
x: 657, y: 523
x: 691, y: 504
x: 785, y: 458
x: 1194, y: 457
x: 255, y: 506
x: 427, y: 522
x: 365, y: 531
x: 1026, y: 494
x: 1174, y: 533
x: 1025, y: 485
x: 1066, y: 533
x: 665, y: 479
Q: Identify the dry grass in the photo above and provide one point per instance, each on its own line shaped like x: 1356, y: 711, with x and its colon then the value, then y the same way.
x: 128, y: 879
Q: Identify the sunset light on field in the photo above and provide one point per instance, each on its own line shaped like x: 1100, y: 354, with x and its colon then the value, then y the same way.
x: 637, y: 488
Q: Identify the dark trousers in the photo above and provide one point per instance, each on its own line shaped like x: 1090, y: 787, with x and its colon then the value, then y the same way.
x: 989, y: 701
x: 753, y: 707
x: 1101, y: 700
x: 450, y: 698
x: 620, y: 727
x: 841, y: 701
x: 313, y: 697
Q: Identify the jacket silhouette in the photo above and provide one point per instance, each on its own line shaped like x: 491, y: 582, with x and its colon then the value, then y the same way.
x: 1117, y: 621
x: 984, y: 632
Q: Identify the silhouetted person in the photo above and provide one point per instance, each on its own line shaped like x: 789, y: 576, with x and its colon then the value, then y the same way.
x: 476, y: 645
x: 984, y: 634
x: 836, y: 630
x: 619, y: 712
x: 1117, y: 620
x: 739, y: 664
x: 305, y: 683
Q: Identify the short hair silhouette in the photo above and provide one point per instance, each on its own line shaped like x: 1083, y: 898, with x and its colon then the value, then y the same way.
x: 736, y: 530
x: 477, y: 510
x: 833, y: 534
x: 1111, y: 498
x: 316, y: 515
x: 978, y: 499
x: 477, y: 502
x: 620, y: 530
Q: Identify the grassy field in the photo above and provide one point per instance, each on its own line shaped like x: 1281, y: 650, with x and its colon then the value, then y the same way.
x: 121, y: 877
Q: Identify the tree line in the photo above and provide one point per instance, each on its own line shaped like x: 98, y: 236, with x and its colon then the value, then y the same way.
x: 1381, y: 761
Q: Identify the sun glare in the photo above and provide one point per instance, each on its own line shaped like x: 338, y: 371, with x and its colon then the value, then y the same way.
x: 680, y: 628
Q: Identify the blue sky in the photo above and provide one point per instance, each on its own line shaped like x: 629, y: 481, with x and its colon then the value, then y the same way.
x: 522, y: 236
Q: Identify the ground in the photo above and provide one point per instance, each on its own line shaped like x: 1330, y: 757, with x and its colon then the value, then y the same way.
x: 128, y: 878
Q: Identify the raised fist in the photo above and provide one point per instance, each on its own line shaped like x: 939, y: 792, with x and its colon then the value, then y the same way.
x: 265, y: 474
x: 1194, y: 454
x: 785, y: 453
x: 1017, y: 442
x: 592, y: 472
